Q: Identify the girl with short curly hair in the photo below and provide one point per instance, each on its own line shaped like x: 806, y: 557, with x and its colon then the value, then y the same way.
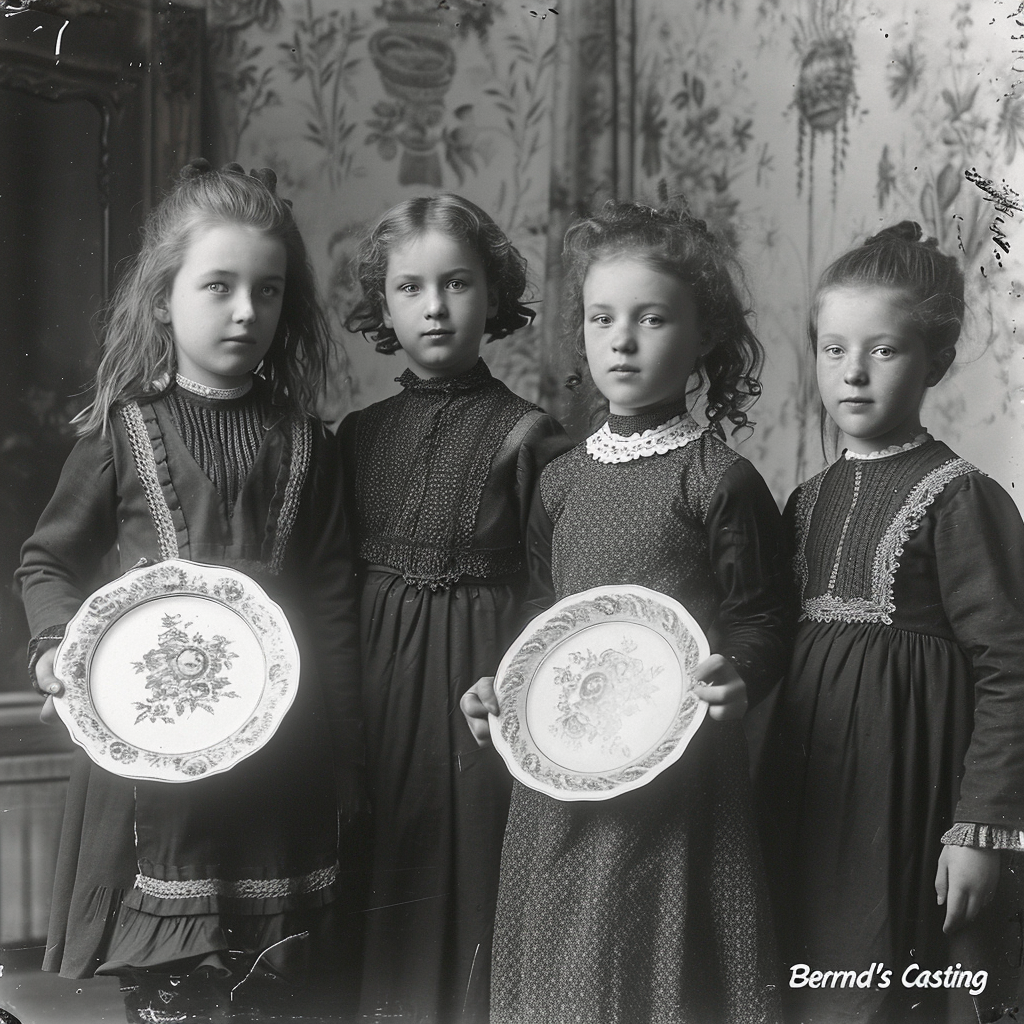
x: 441, y: 478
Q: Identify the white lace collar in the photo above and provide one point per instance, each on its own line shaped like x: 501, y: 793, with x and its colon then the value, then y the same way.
x: 605, y: 446
x: 885, y: 453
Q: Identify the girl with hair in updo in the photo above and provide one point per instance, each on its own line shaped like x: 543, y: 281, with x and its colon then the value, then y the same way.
x: 896, y: 780
x: 200, y: 444
x: 441, y: 477
x: 652, y: 905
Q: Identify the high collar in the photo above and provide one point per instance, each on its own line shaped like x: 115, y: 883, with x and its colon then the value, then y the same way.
x: 255, y: 395
x: 626, y: 426
x: 475, y: 377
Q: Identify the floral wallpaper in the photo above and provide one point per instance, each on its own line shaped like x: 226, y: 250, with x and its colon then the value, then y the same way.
x: 795, y: 127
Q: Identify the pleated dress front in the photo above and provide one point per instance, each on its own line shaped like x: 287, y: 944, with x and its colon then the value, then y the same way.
x: 442, y: 475
x: 651, y: 906
x: 902, y: 714
x: 157, y: 876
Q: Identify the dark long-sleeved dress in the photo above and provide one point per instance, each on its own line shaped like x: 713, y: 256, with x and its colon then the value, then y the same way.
x: 902, y: 713
x: 651, y: 906
x: 442, y: 476
x: 154, y: 873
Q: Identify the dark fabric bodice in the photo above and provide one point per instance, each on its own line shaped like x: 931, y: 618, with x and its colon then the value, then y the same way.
x: 615, y: 523
x: 263, y: 819
x: 223, y: 435
x: 923, y: 545
x: 867, y: 518
x: 697, y: 523
x: 441, y: 476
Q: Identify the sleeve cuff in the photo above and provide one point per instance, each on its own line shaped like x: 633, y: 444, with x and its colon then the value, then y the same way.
x: 49, y: 637
x: 984, y: 837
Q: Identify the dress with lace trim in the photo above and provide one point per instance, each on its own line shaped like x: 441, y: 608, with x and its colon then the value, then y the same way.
x: 604, y: 445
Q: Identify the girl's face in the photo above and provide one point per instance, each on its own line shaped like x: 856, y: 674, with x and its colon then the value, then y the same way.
x: 224, y: 303
x: 873, y: 368
x: 437, y: 302
x: 641, y: 334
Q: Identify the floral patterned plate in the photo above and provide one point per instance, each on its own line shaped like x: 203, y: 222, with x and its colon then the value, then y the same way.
x: 596, y: 693
x: 176, y: 671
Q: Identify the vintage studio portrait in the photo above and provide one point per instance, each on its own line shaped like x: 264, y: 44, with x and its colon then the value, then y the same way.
x: 511, y: 511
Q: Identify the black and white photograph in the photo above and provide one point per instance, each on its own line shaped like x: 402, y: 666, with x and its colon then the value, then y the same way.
x: 510, y: 511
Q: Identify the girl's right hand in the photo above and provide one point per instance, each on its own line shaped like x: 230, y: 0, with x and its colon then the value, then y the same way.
x: 48, y: 683
x: 477, y: 703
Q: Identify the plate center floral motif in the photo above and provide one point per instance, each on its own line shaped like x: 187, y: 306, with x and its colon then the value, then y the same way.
x: 597, y: 692
x: 184, y: 673
x: 191, y: 662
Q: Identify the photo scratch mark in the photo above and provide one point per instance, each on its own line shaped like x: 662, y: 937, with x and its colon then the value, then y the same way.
x: 1006, y: 202
x: 60, y: 35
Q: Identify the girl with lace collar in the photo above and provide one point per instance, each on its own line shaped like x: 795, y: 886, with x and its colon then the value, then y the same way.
x: 897, y: 777
x: 629, y: 896
x: 441, y: 477
x: 182, y: 889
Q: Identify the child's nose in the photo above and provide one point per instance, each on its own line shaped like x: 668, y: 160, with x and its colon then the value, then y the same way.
x: 436, y: 305
x: 245, y: 312
x: 856, y: 372
x: 623, y: 340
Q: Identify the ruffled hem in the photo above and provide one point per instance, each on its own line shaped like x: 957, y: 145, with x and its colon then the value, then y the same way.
x: 145, y: 942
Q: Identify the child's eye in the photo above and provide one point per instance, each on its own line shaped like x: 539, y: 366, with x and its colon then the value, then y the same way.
x: 885, y: 351
x: 652, y: 320
x: 408, y: 288
x: 832, y: 350
x: 269, y: 291
x: 456, y: 285
x: 217, y: 287
x: 601, y: 319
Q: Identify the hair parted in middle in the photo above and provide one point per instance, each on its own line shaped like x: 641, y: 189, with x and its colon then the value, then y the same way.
x: 902, y: 258
x: 138, y: 350
x: 673, y: 241
x: 452, y: 215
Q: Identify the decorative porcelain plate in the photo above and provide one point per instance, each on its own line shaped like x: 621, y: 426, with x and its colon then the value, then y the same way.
x: 596, y: 693
x: 176, y: 671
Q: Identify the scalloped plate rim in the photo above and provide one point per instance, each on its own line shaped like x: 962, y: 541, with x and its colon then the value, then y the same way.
x: 682, y: 741
x: 70, y: 714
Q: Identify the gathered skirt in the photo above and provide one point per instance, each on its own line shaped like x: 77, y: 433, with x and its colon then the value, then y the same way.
x: 439, y: 803
x: 861, y: 782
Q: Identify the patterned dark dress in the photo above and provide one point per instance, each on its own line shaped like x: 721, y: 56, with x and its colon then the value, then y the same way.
x: 903, y: 713
x: 154, y: 874
x: 651, y: 906
x: 442, y: 476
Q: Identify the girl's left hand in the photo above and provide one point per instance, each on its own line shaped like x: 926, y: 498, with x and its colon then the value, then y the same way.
x: 724, y: 689
x: 965, y: 882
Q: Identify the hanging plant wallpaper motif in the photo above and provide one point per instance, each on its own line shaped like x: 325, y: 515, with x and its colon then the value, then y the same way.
x: 416, y: 62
